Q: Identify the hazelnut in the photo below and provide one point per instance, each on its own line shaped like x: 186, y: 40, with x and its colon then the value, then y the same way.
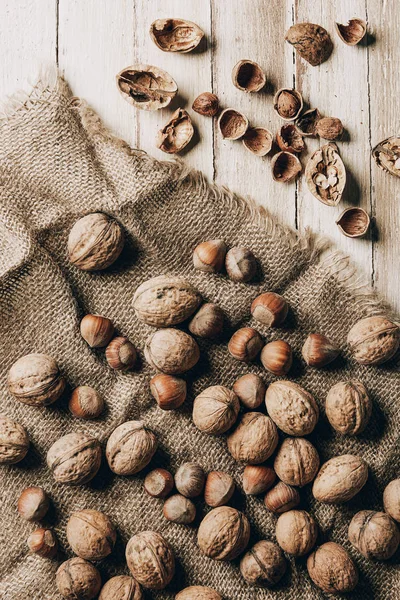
x: 353, y: 222
x: 91, y: 534
x: 329, y: 128
x: 158, y: 483
x: 150, y: 559
x: 172, y: 351
x: 240, y: 264
x: 263, y: 565
x: 245, y: 344
x: 121, y: 354
x: 95, y: 242
x: 35, y: 379
x: 96, y: 330
x: 209, y: 256
x: 291, y: 407
x: 198, y: 592
x: 296, y: 532
x: 285, y: 167
x: 340, y: 479
x: 311, y: 41
x: 215, y: 410
x: 175, y: 35
x: 33, y: 504
x: 352, y: 33
x: 75, y: 458
x: 374, y: 534
x: 391, y: 499
x: 206, y: 104
x: 190, y: 479
x: 219, y: 488
x: 374, y: 340
x: 146, y: 87
x: 86, y: 403
x: 43, y: 542
x: 232, y: 124
x: 282, y: 498
x: 296, y: 462
x: 257, y: 479
x: 277, y: 357
x: 208, y: 321
x: 254, y: 439
x: 14, y: 441
x: 179, y: 509
x: 78, y: 579
x: 331, y: 569
x: 176, y: 133
x: 270, y: 309
x: 250, y: 389
x: 223, y: 533
x: 165, y: 300
x: 121, y: 587
x: 168, y: 391
x: 248, y: 76
x: 288, y: 104
x: 130, y: 448
x: 348, y: 407
x: 318, y: 351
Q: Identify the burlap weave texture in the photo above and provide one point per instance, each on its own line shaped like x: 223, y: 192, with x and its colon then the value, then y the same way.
x: 58, y: 163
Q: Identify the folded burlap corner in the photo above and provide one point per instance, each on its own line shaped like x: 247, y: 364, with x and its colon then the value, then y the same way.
x: 57, y: 162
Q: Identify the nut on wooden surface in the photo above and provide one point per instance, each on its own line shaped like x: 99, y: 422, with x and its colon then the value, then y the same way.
x: 353, y: 32
x: 318, y: 351
x: 248, y: 76
x: 288, y: 104
x: 209, y: 256
x: 296, y: 532
x: 290, y: 139
x: 332, y: 569
x: 171, y: 351
x: 257, y: 479
x: 179, y: 509
x: 121, y: 354
x: 270, y: 309
x: 311, y: 41
x: 95, y: 242
x: 121, y: 587
x: 277, y: 357
x: 245, y: 344
x: 353, y: 222
x: 130, y: 448
x: 96, y: 330
x: 146, y: 87
x: 215, y: 410
x: 387, y: 155
x: 158, y: 483
x: 374, y: 534
x: 219, y: 488
x: 206, y: 104
x: 176, y: 133
x: 223, y: 533
x: 232, y: 124
x: 258, y: 140
x: 14, y: 441
x: 329, y: 128
x: 168, y: 391
x: 190, y: 480
x: 208, y: 322
x: 150, y: 559
x: 86, y: 403
x: 285, y: 167
x: 326, y: 175
x: 348, y: 407
x: 391, y: 499
x: 250, y: 389
x: 263, y: 565
x: 340, y: 479
x: 296, y: 462
x: 291, y: 407
x: 33, y: 503
x: 240, y: 264
x: 35, y: 379
x: 306, y: 123
x: 43, y: 542
x: 91, y: 534
x: 254, y: 439
x: 78, y: 579
x: 175, y: 35
x: 74, y: 458
x: 374, y: 340
x: 281, y: 498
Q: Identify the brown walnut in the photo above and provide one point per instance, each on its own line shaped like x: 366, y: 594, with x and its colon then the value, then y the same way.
x: 263, y: 565
x: 172, y: 351
x: 296, y: 462
x: 340, y: 478
x: 215, y: 410
x: 296, y: 532
x: 348, y: 407
x: 374, y: 534
x: 198, y: 592
x: 78, y: 579
x: 391, y: 499
x: 95, y: 242
x: 254, y: 439
x: 150, y: 559
x: 75, y: 458
x: 14, y: 441
x: 331, y: 569
x: 35, y: 379
x: 374, y: 340
x: 121, y: 587
x: 311, y: 41
x: 91, y: 534
x: 223, y: 533
x: 291, y: 407
x: 130, y: 448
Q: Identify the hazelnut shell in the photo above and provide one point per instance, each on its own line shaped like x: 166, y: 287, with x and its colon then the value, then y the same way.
x: 232, y: 124
x: 206, y: 104
x: 248, y: 76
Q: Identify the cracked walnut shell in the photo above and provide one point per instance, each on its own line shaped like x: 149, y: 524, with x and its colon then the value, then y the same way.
x: 176, y: 134
x: 332, y: 569
x: 348, y: 407
x: 387, y: 155
x: 91, y: 534
x: 175, y: 35
x: 296, y: 462
x: 353, y: 222
x: 35, y: 379
x: 258, y: 141
x: 374, y: 340
x: 150, y: 559
x: 215, y: 410
x: 223, y: 533
x: 326, y: 175
x: 288, y: 104
x: 254, y: 440
x: 95, y: 242
x: 352, y: 33
x: 130, y: 448
x: 75, y: 458
x: 232, y: 124
x: 146, y: 87
x: 291, y: 407
x: 285, y: 167
x: 290, y: 139
x: 374, y: 534
x: 248, y: 76
x: 340, y: 479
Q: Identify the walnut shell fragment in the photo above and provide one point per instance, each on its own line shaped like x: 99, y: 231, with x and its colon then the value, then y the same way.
x: 176, y: 134
x: 311, y: 41
x: 289, y: 139
x: 146, y: 87
x: 175, y: 35
x: 288, y: 104
x: 248, y: 76
x: 354, y: 222
x: 326, y: 175
x: 232, y: 124
x: 307, y: 122
x: 352, y: 33
x: 387, y: 155
x: 340, y: 479
x: 258, y: 140
x: 285, y: 167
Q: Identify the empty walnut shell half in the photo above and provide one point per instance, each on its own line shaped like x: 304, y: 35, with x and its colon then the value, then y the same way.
x: 258, y: 140
x: 307, y: 122
x: 232, y: 124
x: 248, y: 76
x: 353, y: 222
x: 288, y: 104
x: 352, y: 33
x: 285, y: 167
x: 290, y: 139
x: 387, y: 155
x: 146, y: 87
x: 175, y: 35
x: 176, y: 134
x: 326, y: 175
x: 311, y: 41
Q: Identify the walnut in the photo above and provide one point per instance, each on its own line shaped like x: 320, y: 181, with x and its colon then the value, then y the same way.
x: 146, y: 87
x: 95, y: 242
x: 374, y: 340
x: 263, y: 565
x: 172, y: 351
x: 75, y: 458
x: 291, y: 407
x: 175, y: 35
x: 215, y: 410
x: 296, y: 532
x: 296, y: 462
x: 91, y: 534
x: 374, y: 534
x: 391, y: 499
x: 78, y: 579
x: 121, y: 587
x: 254, y: 439
x: 348, y: 407
x: 150, y: 559
x: 130, y: 448
x: 35, y: 379
x: 198, y: 592
x: 340, y: 478
x: 331, y: 569
x: 14, y: 441
x: 311, y: 41
x: 223, y: 533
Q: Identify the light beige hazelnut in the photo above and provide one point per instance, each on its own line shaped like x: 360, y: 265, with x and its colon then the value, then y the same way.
x: 150, y: 559
x: 245, y: 344
x: 33, y: 503
x: 281, y: 498
x: 219, y: 488
x: 86, y: 403
x: 257, y: 479
x: 190, y: 480
x: 96, y: 330
x: 43, y: 542
x: 263, y: 565
x: 270, y: 309
x: 254, y: 439
x: 78, y: 579
x: 130, y: 448
x: 179, y: 509
x: 331, y: 569
x: 158, y: 483
x: 208, y: 322
x: 296, y: 532
x: 250, y: 389
x: 296, y: 462
x: 223, y: 533
x: 215, y: 410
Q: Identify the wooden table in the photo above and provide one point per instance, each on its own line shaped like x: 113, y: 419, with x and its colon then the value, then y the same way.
x: 91, y: 40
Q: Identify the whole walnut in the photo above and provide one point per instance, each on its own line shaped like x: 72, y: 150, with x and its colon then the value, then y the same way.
x: 296, y: 532
x: 254, y: 439
x: 291, y: 407
x: 14, y: 441
x: 78, y: 579
x: 223, y: 533
x: 190, y: 480
x: 263, y: 565
x: 331, y: 569
x: 391, y: 499
x: 172, y: 351
x: 121, y: 587
x: 198, y: 592
x: 348, y: 407
x: 374, y: 534
x: 374, y: 340
x: 130, y: 448
x: 296, y: 462
x: 340, y: 478
x: 91, y: 534
x: 150, y: 559
x: 35, y: 379
x: 215, y: 410
x: 75, y: 458
x: 95, y: 242
x: 250, y: 389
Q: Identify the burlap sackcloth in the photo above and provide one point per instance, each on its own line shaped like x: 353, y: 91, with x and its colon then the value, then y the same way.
x: 57, y: 163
